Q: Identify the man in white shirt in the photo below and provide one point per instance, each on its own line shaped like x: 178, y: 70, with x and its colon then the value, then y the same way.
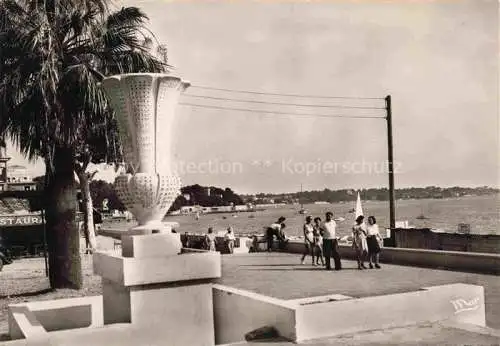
x: 229, y: 238
x: 330, y: 243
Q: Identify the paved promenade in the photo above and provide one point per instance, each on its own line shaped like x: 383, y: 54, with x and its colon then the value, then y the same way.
x: 424, y: 334
x: 280, y: 275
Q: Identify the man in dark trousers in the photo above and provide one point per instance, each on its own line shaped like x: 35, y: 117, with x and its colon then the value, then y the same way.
x: 330, y: 242
x: 274, y: 230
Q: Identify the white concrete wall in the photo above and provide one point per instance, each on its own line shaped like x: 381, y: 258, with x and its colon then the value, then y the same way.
x: 180, y: 316
x: 54, y: 315
x: 152, y: 245
x: 454, y: 260
x: 24, y: 324
x: 237, y: 312
x: 388, y: 311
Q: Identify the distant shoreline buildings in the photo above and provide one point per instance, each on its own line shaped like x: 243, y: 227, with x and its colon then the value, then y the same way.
x: 375, y: 194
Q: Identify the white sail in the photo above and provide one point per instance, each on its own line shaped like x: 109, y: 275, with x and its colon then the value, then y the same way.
x: 359, y: 208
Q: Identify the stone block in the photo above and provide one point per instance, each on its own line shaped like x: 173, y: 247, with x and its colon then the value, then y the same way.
x: 116, y: 302
x: 151, y: 270
x: 181, y: 314
x: 151, y: 245
x: 108, y: 265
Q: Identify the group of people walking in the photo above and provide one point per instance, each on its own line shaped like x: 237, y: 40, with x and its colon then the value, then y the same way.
x: 321, y: 242
x: 366, y: 242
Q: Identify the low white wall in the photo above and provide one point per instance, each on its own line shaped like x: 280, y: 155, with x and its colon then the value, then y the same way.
x: 24, y: 324
x: 453, y: 260
x: 53, y: 315
x: 456, y: 302
x: 237, y: 312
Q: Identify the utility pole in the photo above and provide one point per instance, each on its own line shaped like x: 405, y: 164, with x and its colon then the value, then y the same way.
x: 392, y: 195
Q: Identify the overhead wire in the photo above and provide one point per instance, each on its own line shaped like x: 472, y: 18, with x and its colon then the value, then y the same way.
x: 280, y: 103
x: 281, y: 112
x: 286, y: 95
x: 226, y: 100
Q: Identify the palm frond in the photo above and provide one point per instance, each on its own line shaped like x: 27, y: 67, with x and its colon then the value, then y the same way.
x: 125, y: 17
x: 51, y: 63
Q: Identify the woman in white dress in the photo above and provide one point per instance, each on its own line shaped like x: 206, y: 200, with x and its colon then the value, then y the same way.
x: 210, y: 240
x: 318, y: 242
x: 373, y: 238
x: 308, y: 240
x: 359, y: 243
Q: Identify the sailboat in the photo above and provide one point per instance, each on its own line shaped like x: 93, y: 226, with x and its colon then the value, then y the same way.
x: 359, y: 209
x: 422, y: 216
x: 302, y: 210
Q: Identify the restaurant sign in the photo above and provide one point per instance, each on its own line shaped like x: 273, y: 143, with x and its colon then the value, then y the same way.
x: 26, y: 220
x: 20, y: 220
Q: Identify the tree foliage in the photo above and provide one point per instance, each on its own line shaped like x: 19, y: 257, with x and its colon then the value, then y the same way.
x: 101, y: 190
x: 53, y: 57
x: 206, y: 197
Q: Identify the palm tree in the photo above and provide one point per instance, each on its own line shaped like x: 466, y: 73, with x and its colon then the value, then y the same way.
x: 102, y: 146
x: 53, y: 57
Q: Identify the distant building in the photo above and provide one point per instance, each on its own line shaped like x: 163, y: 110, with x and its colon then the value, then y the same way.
x: 19, y: 179
x: 3, y: 166
x: 15, y: 177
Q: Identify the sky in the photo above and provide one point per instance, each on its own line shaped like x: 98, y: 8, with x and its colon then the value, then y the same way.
x: 437, y: 59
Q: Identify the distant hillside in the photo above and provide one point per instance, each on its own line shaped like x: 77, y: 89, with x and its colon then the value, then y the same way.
x: 380, y: 194
x: 206, y: 196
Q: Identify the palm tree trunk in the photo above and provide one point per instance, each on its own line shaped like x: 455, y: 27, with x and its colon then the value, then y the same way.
x: 88, y: 212
x: 63, y: 238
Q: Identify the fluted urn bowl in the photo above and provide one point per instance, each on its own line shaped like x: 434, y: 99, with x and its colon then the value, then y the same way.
x: 144, y: 106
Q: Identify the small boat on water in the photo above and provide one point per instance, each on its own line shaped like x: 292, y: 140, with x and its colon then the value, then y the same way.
x: 422, y: 217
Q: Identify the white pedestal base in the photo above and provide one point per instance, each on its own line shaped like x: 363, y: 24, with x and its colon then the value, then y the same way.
x: 159, y: 291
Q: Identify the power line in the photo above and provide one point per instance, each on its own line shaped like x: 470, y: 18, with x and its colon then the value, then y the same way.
x: 287, y: 95
x: 282, y: 113
x: 281, y: 103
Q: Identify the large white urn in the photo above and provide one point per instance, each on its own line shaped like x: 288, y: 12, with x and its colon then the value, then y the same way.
x: 144, y: 106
